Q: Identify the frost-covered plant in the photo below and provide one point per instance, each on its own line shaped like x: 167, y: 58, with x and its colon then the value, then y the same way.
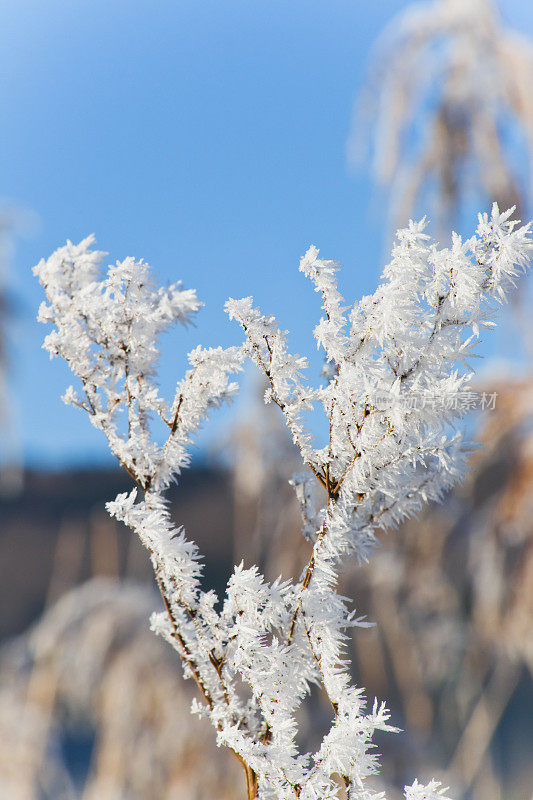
x: 254, y: 658
x: 448, y: 96
x: 90, y: 664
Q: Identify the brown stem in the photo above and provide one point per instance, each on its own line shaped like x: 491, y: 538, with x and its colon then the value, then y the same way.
x: 251, y: 782
x: 251, y: 777
x: 307, y: 578
x: 321, y: 477
x: 186, y: 656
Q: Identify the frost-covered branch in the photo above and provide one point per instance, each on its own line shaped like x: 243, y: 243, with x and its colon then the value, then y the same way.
x: 255, y: 656
x: 107, y: 331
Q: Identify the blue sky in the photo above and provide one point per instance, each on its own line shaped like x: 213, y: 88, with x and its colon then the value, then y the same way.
x: 206, y: 137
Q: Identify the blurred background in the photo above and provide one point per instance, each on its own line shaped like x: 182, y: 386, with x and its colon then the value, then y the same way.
x: 218, y: 141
